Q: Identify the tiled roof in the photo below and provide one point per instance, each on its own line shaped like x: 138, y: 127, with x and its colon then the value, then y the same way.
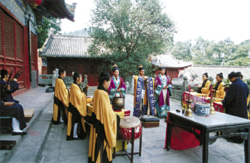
x: 168, y: 60
x: 195, y: 72
x: 66, y: 47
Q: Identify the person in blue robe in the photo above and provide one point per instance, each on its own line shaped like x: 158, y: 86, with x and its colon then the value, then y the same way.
x: 235, y: 100
x: 10, y: 106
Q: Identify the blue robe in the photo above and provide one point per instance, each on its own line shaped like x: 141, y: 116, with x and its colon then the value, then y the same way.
x: 13, y: 87
x: 235, y: 101
x: 15, y: 110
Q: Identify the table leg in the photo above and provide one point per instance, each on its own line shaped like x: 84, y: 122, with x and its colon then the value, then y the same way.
x: 205, y: 137
x: 140, y: 144
x: 169, y: 133
x: 132, y: 148
x: 247, y: 148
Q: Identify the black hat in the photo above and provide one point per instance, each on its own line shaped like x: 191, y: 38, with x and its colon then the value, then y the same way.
x: 232, y: 74
x: 141, y: 67
x: 206, y: 74
x: 161, y: 67
x: 3, y: 73
x: 76, y: 75
x: 220, y: 75
x: 239, y: 74
x: 115, y: 68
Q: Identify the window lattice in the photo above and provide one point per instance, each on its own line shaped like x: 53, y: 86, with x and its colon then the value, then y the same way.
x: 19, y: 42
x: 9, y: 36
x: 1, y: 36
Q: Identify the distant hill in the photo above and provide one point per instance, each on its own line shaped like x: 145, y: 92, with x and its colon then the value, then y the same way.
x: 82, y: 32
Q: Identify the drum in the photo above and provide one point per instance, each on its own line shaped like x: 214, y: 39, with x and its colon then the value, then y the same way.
x: 126, y: 125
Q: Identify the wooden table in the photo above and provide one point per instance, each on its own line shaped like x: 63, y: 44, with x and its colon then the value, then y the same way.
x: 213, y: 123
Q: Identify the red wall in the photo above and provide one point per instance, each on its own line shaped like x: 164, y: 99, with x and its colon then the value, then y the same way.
x: 14, y: 50
x: 172, y: 72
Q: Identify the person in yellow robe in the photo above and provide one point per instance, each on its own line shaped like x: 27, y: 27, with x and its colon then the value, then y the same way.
x: 61, y: 99
x: 103, y: 131
x: 205, y: 88
x: 77, y: 109
x: 219, y: 92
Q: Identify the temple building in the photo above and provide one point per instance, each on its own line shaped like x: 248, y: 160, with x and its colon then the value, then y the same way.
x: 71, y: 53
x: 18, y: 34
x: 172, y: 65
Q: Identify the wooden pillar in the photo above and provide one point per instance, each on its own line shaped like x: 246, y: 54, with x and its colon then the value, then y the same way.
x: 26, y: 59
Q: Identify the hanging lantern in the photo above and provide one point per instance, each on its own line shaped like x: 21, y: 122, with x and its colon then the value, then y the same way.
x: 34, y: 3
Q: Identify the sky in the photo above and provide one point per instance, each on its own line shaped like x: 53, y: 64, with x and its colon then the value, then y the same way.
x: 211, y: 19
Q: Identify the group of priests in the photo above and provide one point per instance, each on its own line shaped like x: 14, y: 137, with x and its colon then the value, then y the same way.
x: 70, y: 106
x: 235, y: 99
x: 151, y: 97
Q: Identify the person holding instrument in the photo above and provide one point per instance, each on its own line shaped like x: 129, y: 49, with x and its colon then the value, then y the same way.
x: 117, y: 85
x: 162, y: 84
x: 205, y: 88
x: 9, y: 106
x: 13, y: 86
x: 219, y: 92
x: 105, y: 124
x: 77, y: 109
x: 61, y: 99
x: 143, y: 94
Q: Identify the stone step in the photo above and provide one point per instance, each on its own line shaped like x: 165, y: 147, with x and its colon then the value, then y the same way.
x: 34, y: 98
x: 29, y: 150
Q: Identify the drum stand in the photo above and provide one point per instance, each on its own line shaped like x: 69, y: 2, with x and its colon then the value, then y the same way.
x: 132, y: 147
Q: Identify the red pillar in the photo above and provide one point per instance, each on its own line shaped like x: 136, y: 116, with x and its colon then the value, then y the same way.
x: 26, y: 59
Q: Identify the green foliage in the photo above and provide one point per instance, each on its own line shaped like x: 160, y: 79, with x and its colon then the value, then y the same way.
x: 129, y: 31
x: 205, y: 52
x: 49, y: 25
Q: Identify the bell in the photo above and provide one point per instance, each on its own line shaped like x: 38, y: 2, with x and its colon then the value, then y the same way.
x: 188, y: 112
x: 118, y: 103
x: 212, y: 110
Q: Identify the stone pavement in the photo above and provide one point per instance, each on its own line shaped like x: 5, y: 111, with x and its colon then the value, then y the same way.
x: 32, y: 99
x: 57, y: 149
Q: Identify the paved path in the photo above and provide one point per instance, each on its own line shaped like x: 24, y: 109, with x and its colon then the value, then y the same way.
x: 57, y: 149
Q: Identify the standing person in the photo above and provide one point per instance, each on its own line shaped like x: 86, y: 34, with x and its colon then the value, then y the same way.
x: 240, y: 75
x: 61, y: 99
x: 205, y: 88
x: 235, y: 101
x: 162, y: 83
x: 219, y: 92
x: 77, y: 109
x: 143, y: 94
x: 103, y: 131
x: 117, y: 85
x: 11, y: 107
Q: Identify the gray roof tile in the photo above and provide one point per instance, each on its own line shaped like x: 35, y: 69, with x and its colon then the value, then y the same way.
x: 168, y: 60
x: 64, y: 46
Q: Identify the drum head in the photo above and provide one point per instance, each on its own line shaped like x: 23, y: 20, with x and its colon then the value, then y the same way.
x: 129, y: 122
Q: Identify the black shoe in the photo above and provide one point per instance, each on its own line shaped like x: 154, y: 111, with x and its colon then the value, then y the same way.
x: 19, y: 133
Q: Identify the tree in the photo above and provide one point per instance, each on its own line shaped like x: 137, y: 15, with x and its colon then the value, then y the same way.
x: 49, y: 26
x: 127, y: 32
x: 182, y: 50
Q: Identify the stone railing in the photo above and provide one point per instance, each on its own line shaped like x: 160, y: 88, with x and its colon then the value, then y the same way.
x: 49, y: 79
x: 45, y: 79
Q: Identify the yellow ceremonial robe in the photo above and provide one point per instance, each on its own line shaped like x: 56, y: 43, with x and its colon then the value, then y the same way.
x: 61, y: 100
x: 206, y: 89
x: 77, y: 109
x: 105, y: 120
x: 220, y: 93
